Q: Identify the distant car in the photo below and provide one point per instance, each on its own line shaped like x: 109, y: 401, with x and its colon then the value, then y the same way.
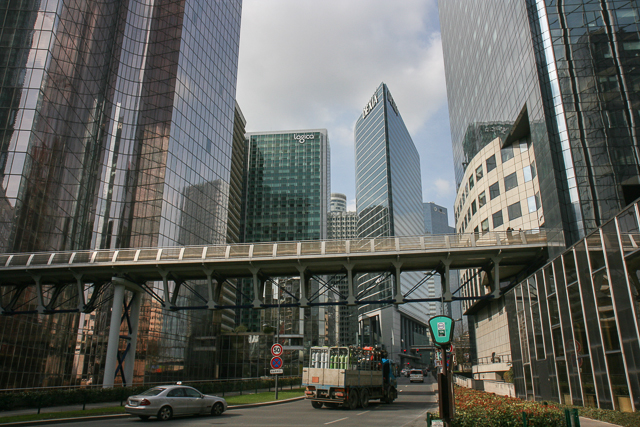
x: 416, y: 375
x: 168, y: 400
x: 404, y: 372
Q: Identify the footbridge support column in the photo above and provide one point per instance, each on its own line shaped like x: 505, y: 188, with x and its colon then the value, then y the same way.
x: 399, y: 299
x: 122, y: 312
x: 496, y: 277
x: 445, y: 282
x: 304, y: 286
x: 258, y: 286
x: 351, y: 298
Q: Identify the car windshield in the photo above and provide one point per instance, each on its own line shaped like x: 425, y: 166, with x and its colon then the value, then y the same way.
x: 152, y: 391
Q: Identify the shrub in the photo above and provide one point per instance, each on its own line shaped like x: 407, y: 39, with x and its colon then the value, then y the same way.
x: 479, y: 409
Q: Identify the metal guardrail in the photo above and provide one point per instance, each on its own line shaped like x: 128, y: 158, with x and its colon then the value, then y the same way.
x: 275, y: 250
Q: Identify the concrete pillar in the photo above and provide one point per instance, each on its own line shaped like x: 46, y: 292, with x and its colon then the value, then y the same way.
x: 446, y: 281
x: 351, y: 298
x: 399, y: 299
x: 257, y: 287
x: 496, y: 277
x: 304, y: 286
x: 80, y: 290
x: 114, y: 336
x: 165, y: 288
x: 39, y: 296
x: 134, y: 317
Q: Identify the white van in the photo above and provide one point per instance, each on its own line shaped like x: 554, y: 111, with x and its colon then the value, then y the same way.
x: 416, y: 375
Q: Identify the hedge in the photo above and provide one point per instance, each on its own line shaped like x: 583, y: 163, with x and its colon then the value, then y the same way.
x: 80, y: 396
x: 480, y: 409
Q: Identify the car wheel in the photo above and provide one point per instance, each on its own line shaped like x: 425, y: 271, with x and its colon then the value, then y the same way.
x: 364, y: 400
x: 217, y: 409
x: 316, y: 405
x: 165, y: 413
x: 144, y: 417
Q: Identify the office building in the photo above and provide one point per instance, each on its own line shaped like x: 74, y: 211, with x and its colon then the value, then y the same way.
x: 115, y: 131
x: 287, y: 198
x: 338, y: 202
x: 343, y: 225
x: 389, y: 203
x: 436, y: 221
x: 562, y: 78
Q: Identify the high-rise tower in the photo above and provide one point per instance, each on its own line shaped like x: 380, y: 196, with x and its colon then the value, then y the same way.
x: 389, y: 203
x: 116, y: 123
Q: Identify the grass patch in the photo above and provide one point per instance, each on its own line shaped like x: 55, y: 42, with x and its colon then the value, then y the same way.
x: 65, y: 414
x: 626, y: 419
x: 231, y: 400
x: 263, y: 397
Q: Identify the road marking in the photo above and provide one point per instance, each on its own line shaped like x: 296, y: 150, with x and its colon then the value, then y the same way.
x: 341, y: 419
x: 363, y: 412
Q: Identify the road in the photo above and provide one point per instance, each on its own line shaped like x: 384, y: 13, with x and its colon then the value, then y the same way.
x: 407, y: 411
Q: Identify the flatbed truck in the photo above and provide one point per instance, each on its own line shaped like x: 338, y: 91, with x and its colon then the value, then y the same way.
x: 349, y: 377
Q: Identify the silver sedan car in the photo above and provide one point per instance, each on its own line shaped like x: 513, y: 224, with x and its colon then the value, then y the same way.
x: 168, y: 400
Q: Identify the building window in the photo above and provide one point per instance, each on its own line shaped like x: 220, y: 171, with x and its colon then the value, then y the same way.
x: 491, y: 163
x: 533, y: 169
x: 474, y: 209
x: 538, y: 204
x: 471, y: 183
x: 494, y: 191
x: 514, y: 211
x: 485, y: 225
x: 510, y: 181
x: 478, y: 173
x: 497, y: 219
x: 531, y: 201
x: 482, y: 199
x: 527, y: 173
x: 507, y: 154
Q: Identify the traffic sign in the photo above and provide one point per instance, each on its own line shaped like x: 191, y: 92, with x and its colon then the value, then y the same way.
x: 276, y: 362
x: 277, y: 371
x: 276, y: 350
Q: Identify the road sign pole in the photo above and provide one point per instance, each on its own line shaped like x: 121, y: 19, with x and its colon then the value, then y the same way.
x: 278, y: 338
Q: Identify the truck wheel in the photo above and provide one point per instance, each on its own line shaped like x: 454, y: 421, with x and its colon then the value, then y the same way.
x: 354, y: 399
x: 316, y: 405
x: 364, y: 401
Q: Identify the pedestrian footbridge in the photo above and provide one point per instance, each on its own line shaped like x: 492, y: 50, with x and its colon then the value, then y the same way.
x: 47, y: 283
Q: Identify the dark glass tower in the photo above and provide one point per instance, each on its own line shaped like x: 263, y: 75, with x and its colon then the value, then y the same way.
x: 565, y: 75
x: 116, y: 122
x: 389, y: 203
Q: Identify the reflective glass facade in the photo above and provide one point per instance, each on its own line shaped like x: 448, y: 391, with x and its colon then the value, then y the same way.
x: 287, y: 198
x: 570, y: 68
x: 389, y: 203
x: 116, y: 126
x: 574, y: 324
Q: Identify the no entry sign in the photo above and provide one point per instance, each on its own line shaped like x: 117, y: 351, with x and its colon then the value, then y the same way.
x: 276, y: 362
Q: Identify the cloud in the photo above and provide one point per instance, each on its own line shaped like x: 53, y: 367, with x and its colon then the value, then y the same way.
x: 310, y: 64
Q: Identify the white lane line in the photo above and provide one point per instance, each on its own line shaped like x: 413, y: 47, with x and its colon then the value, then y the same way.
x: 341, y: 419
x: 363, y: 412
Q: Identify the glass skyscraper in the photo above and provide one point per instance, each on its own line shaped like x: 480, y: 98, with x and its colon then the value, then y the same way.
x: 116, y: 123
x: 389, y: 203
x: 287, y: 198
x: 562, y: 77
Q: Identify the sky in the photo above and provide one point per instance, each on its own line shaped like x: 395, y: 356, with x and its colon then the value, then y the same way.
x: 308, y: 64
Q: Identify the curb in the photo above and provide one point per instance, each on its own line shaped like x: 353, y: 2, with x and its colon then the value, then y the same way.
x: 115, y: 416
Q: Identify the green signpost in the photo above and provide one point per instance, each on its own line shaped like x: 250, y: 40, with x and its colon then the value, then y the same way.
x: 441, y: 328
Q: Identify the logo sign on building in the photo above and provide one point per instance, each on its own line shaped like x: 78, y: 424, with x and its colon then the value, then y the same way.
x: 301, y: 138
x: 372, y: 103
x: 276, y: 350
x: 441, y: 328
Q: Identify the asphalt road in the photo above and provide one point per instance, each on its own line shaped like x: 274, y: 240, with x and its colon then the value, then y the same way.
x: 407, y: 411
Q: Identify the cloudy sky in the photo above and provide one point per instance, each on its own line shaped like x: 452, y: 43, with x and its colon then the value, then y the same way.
x: 307, y: 64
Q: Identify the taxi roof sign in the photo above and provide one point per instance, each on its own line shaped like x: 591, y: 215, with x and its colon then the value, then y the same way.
x: 441, y: 328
